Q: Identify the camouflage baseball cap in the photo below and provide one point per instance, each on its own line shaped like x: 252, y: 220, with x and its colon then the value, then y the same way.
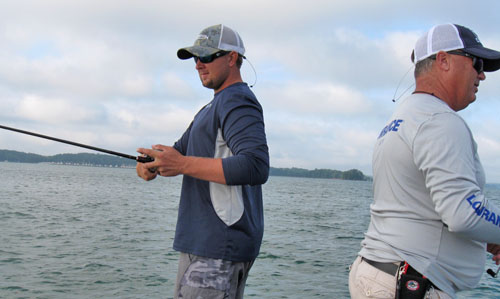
x: 212, y: 40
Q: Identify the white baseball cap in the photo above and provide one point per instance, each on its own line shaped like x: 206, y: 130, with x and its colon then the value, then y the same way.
x: 448, y: 37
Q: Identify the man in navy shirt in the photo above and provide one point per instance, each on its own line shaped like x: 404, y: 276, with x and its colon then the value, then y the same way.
x: 224, y: 158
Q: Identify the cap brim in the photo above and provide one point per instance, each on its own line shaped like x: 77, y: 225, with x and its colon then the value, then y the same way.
x: 490, y: 57
x: 198, y: 51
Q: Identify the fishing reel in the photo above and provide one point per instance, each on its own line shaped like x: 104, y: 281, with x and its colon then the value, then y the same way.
x: 493, y: 273
x: 144, y: 159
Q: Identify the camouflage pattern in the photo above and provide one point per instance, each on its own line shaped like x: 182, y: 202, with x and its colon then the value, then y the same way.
x: 201, y: 277
x: 206, y: 44
x: 212, y: 40
x: 207, y: 273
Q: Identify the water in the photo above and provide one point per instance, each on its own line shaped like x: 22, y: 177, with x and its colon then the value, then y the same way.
x: 88, y: 232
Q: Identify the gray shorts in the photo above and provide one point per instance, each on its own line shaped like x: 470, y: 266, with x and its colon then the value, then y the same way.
x: 201, y: 277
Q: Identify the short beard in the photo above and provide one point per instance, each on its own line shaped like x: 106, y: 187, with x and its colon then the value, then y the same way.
x: 215, y: 85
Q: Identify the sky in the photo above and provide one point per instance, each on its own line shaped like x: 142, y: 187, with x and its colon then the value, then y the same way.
x: 105, y: 73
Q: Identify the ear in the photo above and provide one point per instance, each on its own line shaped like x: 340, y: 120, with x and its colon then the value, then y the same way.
x: 443, y: 61
x: 233, y: 57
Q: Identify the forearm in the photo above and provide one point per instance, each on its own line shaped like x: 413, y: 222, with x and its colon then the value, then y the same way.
x: 207, y: 169
x: 169, y: 162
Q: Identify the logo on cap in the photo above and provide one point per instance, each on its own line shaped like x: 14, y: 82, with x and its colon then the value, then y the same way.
x: 202, y: 36
x: 475, y: 37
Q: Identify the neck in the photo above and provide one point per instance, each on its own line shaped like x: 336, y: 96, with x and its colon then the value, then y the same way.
x: 231, y: 79
x: 434, y: 86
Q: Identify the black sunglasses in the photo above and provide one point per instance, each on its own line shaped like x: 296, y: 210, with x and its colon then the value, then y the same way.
x: 477, y: 63
x: 210, y: 58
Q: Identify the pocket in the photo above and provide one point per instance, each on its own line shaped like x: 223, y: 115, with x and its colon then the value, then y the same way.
x: 375, y: 288
x: 374, y: 283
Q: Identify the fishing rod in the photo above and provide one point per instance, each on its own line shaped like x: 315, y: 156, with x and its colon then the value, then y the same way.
x: 141, y: 159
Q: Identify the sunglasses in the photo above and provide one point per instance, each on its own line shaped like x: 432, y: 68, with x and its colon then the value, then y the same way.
x: 210, y: 58
x: 477, y: 63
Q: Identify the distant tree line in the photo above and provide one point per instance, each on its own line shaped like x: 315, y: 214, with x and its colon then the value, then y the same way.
x: 113, y: 161
x: 78, y: 159
x: 353, y: 174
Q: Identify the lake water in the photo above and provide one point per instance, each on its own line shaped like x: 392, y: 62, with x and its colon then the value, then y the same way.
x: 89, y: 232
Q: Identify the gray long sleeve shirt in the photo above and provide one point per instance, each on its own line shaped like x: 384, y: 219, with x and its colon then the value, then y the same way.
x: 429, y: 208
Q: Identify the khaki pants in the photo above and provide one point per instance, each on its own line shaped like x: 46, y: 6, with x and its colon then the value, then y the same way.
x: 366, y: 281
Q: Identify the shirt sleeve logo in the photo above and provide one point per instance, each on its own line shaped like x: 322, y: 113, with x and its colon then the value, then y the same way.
x: 392, y: 126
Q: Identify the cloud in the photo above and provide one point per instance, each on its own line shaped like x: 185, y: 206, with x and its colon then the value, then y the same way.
x: 312, y: 143
x: 106, y: 72
x: 317, y: 99
x: 176, y: 86
x: 139, y: 85
x: 488, y: 149
x: 154, y: 119
x: 53, y: 111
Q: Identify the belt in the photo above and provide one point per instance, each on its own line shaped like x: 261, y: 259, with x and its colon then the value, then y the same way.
x: 392, y: 268
x: 389, y: 268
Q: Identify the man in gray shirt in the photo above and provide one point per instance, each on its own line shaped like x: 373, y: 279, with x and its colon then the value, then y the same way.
x: 429, y: 208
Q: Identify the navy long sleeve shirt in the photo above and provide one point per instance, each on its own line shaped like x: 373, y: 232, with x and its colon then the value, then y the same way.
x: 225, y: 221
